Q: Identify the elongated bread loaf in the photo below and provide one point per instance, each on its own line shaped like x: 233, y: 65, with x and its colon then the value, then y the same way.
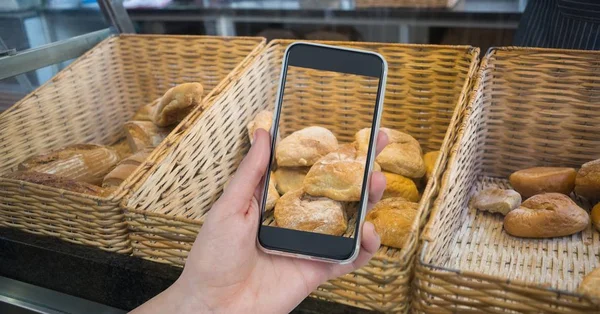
x: 56, y: 182
x: 143, y: 134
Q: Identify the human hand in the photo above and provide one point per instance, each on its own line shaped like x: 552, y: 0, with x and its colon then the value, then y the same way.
x: 227, y: 273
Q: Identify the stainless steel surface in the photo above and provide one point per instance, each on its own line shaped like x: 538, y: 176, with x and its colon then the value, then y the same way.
x: 20, y: 297
x: 50, y: 54
x: 117, y: 15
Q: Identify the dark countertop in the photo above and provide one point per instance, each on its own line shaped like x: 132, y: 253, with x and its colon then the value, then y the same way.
x: 116, y: 280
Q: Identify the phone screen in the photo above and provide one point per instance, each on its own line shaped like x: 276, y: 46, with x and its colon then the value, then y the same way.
x: 319, y: 165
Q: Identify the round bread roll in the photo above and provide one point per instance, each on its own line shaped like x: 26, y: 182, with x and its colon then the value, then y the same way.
x: 590, y: 286
x: 177, y: 103
x: 300, y: 211
x: 402, y: 155
x: 399, y: 186
x: 263, y: 120
x: 290, y: 178
x: 496, y: 200
x: 546, y: 216
x: 305, y: 147
x: 429, y: 159
x: 338, y: 175
x: 538, y: 180
x: 596, y: 216
x: 587, y: 182
x: 392, y: 218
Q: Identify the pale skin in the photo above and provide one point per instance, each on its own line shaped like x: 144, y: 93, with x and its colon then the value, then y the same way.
x: 227, y: 273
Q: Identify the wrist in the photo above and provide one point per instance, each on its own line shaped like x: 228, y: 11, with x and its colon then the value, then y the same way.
x: 187, y: 298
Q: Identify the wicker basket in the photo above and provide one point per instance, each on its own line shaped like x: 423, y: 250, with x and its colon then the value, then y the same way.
x: 405, y: 3
x: 426, y: 84
x: 88, y: 103
x: 530, y: 107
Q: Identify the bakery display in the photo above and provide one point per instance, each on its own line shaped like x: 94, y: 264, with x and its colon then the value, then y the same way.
x: 393, y: 218
x: 545, y: 216
x: 595, y: 216
x: 399, y: 186
x: 300, y: 211
x: 125, y: 168
x: 402, y: 155
x: 81, y: 162
x: 495, y: 200
x: 263, y: 120
x: 338, y: 175
x: 590, y: 286
x: 305, y: 147
x: 177, y: 103
x: 537, y: 180
x: 272, y: 195
x: 144, y: 134
x: 429, y: 159
x: 56, y: 182
x: 289, y: 178
x: 587, y: 182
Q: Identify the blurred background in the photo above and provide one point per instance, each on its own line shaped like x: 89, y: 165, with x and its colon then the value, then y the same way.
x: 26, y: 24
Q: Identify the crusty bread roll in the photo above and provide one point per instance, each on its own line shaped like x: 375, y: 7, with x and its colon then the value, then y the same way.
x: 402, y: 155
x: 145, y: 112
x: 272, y: 195
x: 305, y: 147
x: 392, y: 218
x: 538, y: 180
x: 263, y: 120
x: 338, y: 175
x: 587, y: 182
x: 122, y: 148
x: 546, y: 216
x: 177, y: 103
x: 125, y: 168
x: 595, y: 215
x: 590, y: 286
x: 289, y: 178
x: 496, y: 200
x: 399, y: 186
x: 56, y: 182
x: 81, y: 162
x: 144, y: 134
x: 300, y: 211
x: 430, y: 159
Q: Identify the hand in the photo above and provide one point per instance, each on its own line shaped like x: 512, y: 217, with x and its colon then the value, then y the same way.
x: 227, y: 273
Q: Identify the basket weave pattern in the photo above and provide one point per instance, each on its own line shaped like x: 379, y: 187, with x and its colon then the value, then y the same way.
x: 88, y: 103
x: 426, y: 89
x: 405, y: 3
x: 530, y: 107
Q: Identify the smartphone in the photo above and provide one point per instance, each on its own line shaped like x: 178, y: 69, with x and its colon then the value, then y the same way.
x: 329, y: 93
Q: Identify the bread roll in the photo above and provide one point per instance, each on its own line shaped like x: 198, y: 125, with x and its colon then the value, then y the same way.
x: 299, y: 211
x: 56, y: 182
x: 305, y: 147
x: 144, y: 134
x: 590, y: 286
x: 430, y: 159
x: 263, y: 120
x: 393, y: 218
x: 538, y: 180
x: 595, y: 215
x: 272, y: 195
x: 546, y: 216
x: 338, y: 175
x: 122, y: 148
x: 289, y: 178
x: 496, y: 200
x: 177, y: 103
x: 402, y: 155
x: 125, y: 168
x: 81, y: 162
x: 399, y: 186
x: 145, y: 112
x: 587, y: 182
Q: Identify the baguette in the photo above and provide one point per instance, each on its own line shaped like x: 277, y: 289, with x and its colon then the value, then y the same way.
x: 144, y: 134
x: 125, y: 168
x: 56, y: 182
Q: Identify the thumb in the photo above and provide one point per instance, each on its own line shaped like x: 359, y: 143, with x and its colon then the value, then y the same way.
x: 241, y: 189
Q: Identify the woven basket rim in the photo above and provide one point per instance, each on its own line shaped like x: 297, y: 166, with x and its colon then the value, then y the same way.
x: 426, y: 237
x: 125, y: 186
x: 371, y: 44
